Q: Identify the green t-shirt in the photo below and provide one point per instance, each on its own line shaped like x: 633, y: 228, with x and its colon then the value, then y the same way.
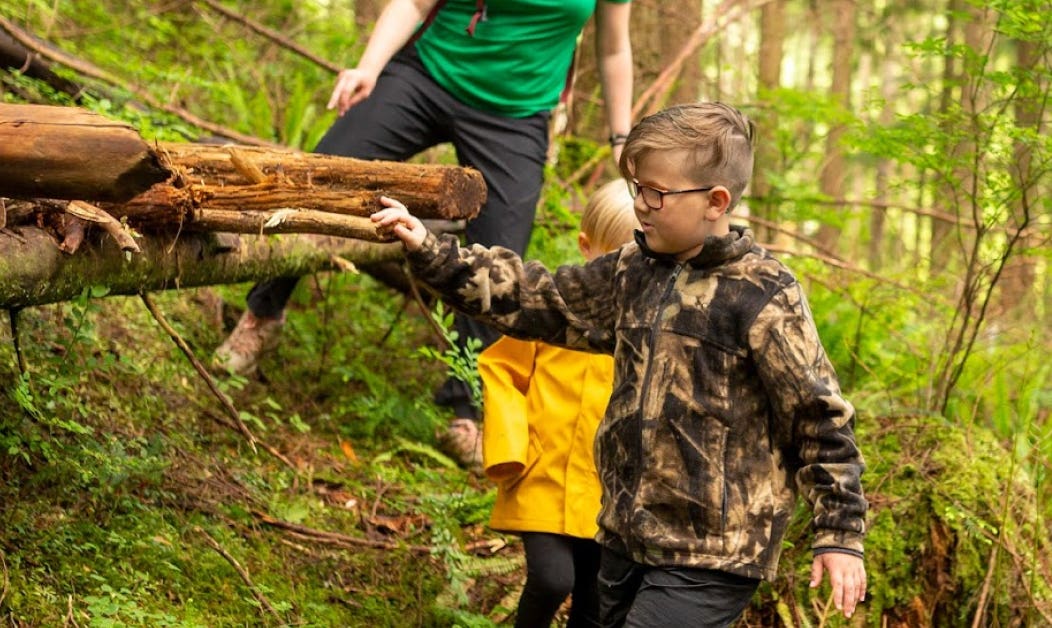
x: 516, y: 63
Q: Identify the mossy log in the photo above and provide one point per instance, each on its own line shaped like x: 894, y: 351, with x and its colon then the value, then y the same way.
x: 34, y: 271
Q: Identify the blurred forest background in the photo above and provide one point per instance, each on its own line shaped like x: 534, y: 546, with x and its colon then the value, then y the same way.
x: 902, y: 172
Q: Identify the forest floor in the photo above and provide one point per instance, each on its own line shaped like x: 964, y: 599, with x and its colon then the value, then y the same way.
x: 131, y: 497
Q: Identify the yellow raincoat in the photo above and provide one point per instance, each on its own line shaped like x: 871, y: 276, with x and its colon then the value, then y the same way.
x: 542, y: 407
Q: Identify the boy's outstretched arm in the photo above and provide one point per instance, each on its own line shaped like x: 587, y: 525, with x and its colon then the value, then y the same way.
x: 847, y: 575
x: 397, y: 218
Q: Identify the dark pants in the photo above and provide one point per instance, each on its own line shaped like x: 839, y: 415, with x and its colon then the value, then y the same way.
x: 638, y: 596
x: 407, y: 113
x: 558, y: 566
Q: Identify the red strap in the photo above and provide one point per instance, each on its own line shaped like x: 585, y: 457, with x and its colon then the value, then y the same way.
x: 478, y: 16
x: 426, y: 23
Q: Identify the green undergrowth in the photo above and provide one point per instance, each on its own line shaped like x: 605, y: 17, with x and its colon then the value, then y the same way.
x: 129, y: 498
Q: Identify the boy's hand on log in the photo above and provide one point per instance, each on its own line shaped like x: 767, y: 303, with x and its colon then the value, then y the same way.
x: 397, y: 219
x: 847, y: 575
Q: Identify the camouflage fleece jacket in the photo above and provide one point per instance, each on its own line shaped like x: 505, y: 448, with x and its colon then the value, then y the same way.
x: 724, y: 403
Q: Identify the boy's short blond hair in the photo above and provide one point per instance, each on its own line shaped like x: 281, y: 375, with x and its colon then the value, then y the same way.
x: 720, y: 136
x: 609, y: 218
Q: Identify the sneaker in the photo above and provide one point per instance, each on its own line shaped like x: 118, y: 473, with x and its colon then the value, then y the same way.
x: 462, y: 441
x: 252, y: 337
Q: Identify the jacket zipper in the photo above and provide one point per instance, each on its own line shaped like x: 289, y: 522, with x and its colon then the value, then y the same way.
x: 654, y: 328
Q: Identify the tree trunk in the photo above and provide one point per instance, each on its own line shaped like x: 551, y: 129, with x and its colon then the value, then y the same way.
x: 33, y: 271
x: 834, y: 170
x: 772, y: 38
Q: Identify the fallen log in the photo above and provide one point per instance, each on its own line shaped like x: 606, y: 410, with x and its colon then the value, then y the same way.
x: 33, y: 271
x: 324, y: 182
x: 70, y: 153
x: 64, y: 153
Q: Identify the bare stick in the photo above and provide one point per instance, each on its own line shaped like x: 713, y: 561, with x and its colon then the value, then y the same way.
x: 87, y: 69
x: 271, y: 34
x: 263, y: 601
x: 224, y: 400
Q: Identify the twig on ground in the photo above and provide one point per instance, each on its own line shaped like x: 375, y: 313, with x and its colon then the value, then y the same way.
x: 227, y: 404
x: 262, y: 599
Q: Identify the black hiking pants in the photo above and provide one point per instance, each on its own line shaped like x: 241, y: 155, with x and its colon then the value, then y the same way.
x: 407, y: 113
x: 632, y: 595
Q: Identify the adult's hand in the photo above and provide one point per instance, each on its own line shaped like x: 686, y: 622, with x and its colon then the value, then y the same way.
x: 352, y: 87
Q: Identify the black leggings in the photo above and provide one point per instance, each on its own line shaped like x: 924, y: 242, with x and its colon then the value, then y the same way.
x: 557, y: 566
x: 407, y: 113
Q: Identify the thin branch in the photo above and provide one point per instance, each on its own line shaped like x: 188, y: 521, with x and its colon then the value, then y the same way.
x: 333, y: 538
x: 262, y: 599
x: 727, y: 12
x: 91, y: 71
x: 270, y: 34
x: 224, y: 400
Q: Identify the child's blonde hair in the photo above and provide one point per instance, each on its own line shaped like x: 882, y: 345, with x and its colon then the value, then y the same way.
x: 609, y: 217
x: 719, y: 135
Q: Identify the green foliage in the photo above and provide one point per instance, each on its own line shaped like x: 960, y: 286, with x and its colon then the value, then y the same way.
x: 461, y: 360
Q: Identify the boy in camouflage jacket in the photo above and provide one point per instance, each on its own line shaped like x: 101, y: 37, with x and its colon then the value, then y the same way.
x: 725, y: 405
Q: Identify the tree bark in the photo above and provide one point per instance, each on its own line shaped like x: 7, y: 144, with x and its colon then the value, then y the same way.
x: 768, y: 159
x: 33, y: 271
x: 327, y: 182
x: 66, y: 153
x: 70, y: 153
x: 834, y: 170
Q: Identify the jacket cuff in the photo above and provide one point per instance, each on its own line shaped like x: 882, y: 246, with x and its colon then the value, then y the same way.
x: 844, y: 541
x: 423, y: 256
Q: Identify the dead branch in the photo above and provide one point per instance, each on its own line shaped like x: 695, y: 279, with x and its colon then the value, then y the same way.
x: 270, y: 34
x: 224, y: 400
x: 90, y: 70
x: 333, y: 538
x: 727, y: 12
x: 262, y: 599
x: 89, y: 213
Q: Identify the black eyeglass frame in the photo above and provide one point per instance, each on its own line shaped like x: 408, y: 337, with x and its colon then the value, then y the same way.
x: 635, y: 188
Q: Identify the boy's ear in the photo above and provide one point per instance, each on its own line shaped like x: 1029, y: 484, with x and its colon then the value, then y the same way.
x: 719, y: 202
x: 584, y: 244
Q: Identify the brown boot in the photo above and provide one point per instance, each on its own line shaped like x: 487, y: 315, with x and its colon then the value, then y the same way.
x: 462, y: 441
x: 252, y: 337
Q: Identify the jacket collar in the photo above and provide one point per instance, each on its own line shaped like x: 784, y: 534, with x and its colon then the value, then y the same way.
x: 717, y: 249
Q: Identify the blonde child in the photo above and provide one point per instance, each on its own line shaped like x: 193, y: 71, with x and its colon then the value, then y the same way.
x: 725, y: 407
x: 541, y: 407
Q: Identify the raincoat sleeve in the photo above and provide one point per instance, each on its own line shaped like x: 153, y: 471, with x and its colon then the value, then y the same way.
x: 505, y: 368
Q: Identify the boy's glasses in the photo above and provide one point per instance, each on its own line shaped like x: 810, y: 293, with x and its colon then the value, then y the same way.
x: 655, y: 198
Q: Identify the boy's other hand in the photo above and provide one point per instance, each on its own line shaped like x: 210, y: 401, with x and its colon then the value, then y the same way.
x: 847, y: 575
x: 397, y: 218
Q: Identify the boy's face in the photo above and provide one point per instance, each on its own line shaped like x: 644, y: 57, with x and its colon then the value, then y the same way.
x: 680, y: 226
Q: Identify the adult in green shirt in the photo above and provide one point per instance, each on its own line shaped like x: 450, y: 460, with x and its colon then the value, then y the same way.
x: 484, y: 76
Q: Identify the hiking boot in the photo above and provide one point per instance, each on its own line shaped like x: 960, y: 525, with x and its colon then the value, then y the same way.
x: 462, y: 441
x: 252, y: 337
